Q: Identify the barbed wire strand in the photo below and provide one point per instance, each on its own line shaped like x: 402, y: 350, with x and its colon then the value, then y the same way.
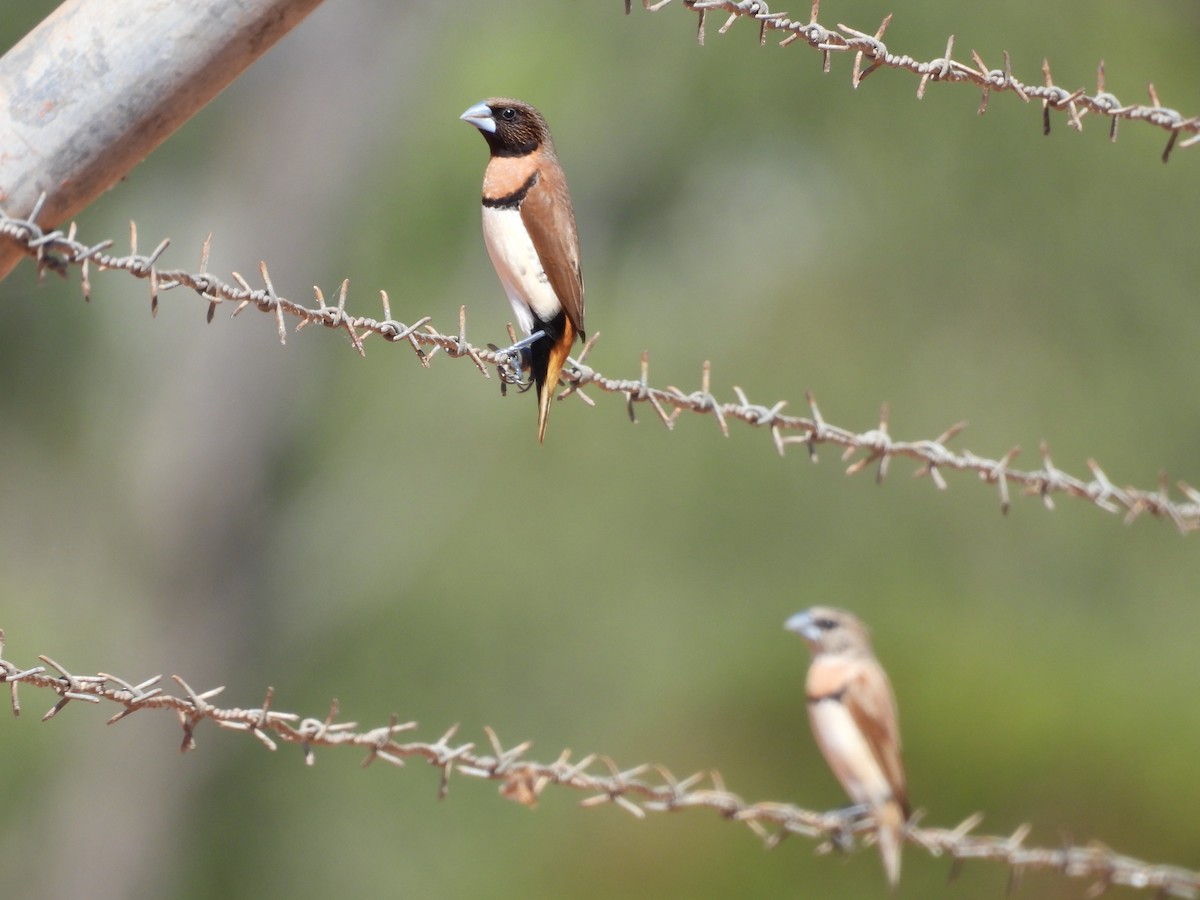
x: 59, y: 252
x: 871, y: 49
x: 638, y: 790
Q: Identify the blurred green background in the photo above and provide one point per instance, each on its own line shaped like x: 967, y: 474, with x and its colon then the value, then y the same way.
x: 193, y: 499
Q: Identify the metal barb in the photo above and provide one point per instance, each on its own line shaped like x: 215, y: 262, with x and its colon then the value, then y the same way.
x: 523, y: 780
x: 947, y: 71
x: 933, y: 458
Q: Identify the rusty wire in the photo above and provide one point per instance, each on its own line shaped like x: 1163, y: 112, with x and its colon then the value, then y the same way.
x: 638, y: 790
x: 59, y: 252
x: 871, y: 53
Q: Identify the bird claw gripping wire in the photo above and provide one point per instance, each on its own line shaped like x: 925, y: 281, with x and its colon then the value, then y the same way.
x: 844, y: 821
x: 516, y: 360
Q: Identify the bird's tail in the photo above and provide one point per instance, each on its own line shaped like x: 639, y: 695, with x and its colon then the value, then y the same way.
x: 547, y: 384
x: 890, y: 820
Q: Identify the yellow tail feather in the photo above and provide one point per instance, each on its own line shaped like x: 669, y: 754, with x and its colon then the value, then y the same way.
x: 890, y: 819
x: 558, y: 355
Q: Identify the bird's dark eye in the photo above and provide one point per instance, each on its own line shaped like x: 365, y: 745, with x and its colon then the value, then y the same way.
x: 826, y: 624
x: 508, y: 113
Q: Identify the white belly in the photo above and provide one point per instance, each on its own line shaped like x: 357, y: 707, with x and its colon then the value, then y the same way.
x: 848, y: 754
x: 519, y: 267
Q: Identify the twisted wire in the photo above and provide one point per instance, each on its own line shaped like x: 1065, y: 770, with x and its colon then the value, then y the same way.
x: 871, y: 53
x: 638, y: 790
x: 875, y: 447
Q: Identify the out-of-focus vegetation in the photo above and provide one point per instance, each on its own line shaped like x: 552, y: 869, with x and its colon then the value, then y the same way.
x: 194, y: 499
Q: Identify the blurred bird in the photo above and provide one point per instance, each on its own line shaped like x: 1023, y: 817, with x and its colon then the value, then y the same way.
x: 853, y: 715
x: 529, y: 230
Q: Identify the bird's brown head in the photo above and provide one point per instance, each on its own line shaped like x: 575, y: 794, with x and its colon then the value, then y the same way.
x: 510, y: 127
x: 829, y: 630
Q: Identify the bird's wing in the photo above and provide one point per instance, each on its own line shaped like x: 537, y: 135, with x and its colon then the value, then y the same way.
x: 873, y: 707
x: 550, y: 221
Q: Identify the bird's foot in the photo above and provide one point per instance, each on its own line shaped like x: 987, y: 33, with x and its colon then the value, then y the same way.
x: 514, y: 360
x: 843, y: 823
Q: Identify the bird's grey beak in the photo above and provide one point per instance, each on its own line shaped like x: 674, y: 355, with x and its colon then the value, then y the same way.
x: 480, y: 116
x: 802, y: 623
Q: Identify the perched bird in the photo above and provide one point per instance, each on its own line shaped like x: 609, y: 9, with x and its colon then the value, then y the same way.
x: 529, y: 230
x: 853, y: 715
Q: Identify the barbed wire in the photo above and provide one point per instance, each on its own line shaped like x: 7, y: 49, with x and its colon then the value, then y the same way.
x: 59, y: 252
x: 639, y: 790
x: 871, y: 49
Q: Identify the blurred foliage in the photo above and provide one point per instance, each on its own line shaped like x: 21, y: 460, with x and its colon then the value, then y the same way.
x: 196, y: 500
